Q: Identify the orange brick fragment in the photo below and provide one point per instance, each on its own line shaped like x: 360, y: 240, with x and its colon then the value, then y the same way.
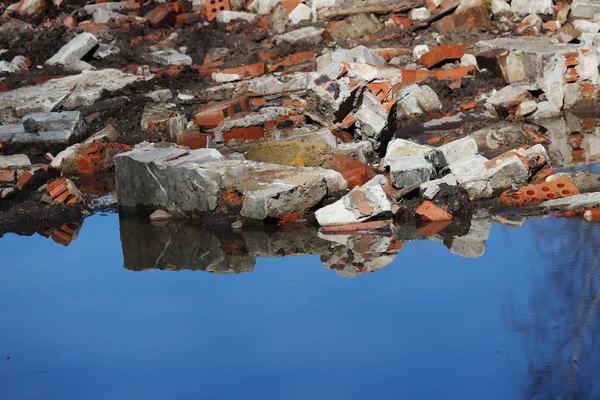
x: 455, y: 73
x: 437, y: 55
x: 538, y: 193
x: 211, y: 116
x: 247, y: 133
x: 194, y: 139
x: 214, y: 7
x: 430, y: 212
x: 7, y: 175
x: 467, y: 106
x: 23, y: 180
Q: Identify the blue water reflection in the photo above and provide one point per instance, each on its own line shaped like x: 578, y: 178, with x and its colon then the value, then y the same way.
x: 519, y: 322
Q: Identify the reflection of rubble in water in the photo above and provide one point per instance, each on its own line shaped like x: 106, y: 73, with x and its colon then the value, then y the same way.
x: 184, y: 246
x: 357, y: 254
x: 65, y: 234
x: 575, y: 140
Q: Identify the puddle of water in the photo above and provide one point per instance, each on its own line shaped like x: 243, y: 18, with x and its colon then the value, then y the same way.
x: 124, y: 311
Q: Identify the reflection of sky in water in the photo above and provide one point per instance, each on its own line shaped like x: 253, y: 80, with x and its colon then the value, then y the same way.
x: 431, y: 325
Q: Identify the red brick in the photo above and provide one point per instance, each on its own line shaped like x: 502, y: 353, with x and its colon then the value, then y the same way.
x: 90, y: 27
x: 247, y: 71
x: 468, y: 106
x: 470, y: 19
x: 7, y: 175
x: 430, y: 212
x: 390, y: 53
x: 348, y: 121
x: 194, y: 139
x: 211, y: 116
x: 23, y: 180
x: 70, y: 22
x: 295, y: 216
x: 538, y: 193
x: 415, y: 75
x: 437, y: 55
x: 400, y: 21
x: 588, y: 91
x: 247, y: 133
x: 380, y: 89
x: 233, y: 198
x: 214, y: 7
x: 162, y: 15
x: 455, y: 73
x: 354, y: 172
x: 571, y: 75
x: 551, y: 26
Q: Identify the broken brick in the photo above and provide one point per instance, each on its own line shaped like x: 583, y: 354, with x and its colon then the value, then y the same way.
x: 214, y: 7
x: 23, y: 179
x: 211, y: 116
x: 194, y: 139
x: 467, y: 106
x: 534, y: 194
x: 440, y: 54
x: 7, y: 175
x: 430, y: 212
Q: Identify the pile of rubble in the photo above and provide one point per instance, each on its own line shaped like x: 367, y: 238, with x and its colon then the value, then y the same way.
x: 344, y: 114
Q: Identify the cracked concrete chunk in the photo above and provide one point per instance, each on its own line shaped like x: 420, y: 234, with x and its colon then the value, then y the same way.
x: 361, y: 204
x: 71, y: 52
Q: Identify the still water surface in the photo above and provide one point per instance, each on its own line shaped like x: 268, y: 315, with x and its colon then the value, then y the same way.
x: 521, y: 321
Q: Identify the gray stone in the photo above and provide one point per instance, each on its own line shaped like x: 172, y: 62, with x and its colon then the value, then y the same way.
x: 361, y: 151
x: 361, y: 204
x: 17, y: 160
x: 171, y: 57
x: 308, y: 35
x: 70, y: 92
x: 329, y: 104
x: 427, y: 99
x: 430, y: 189
x: 546, y: 109
x: 572, y: 95
x: 535, y: 62
x: 399, y: 148
x: 458, y: 150
x: 267, y: 84
x: 500, y: 6
x: 109, y: 6
x: 108, y: 134
x: 373, y: 120
x: 526, y: 108
x: 577, y: 202
x: 468, y: 170
x: 407, y: 101
x: 79, y: 46
x: 584, y: 26
x: 300, y: 13
x: 185, y: 182
x: 225, y: 17
x: 410, y: 170
x: 105, y: 50
x: 506, y: 173
x: 532, y: 7
x: 51, y: 128
x: 584, y: 8
x: 500, y: 103
x: 419, y: 14
x: 357, y: 55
